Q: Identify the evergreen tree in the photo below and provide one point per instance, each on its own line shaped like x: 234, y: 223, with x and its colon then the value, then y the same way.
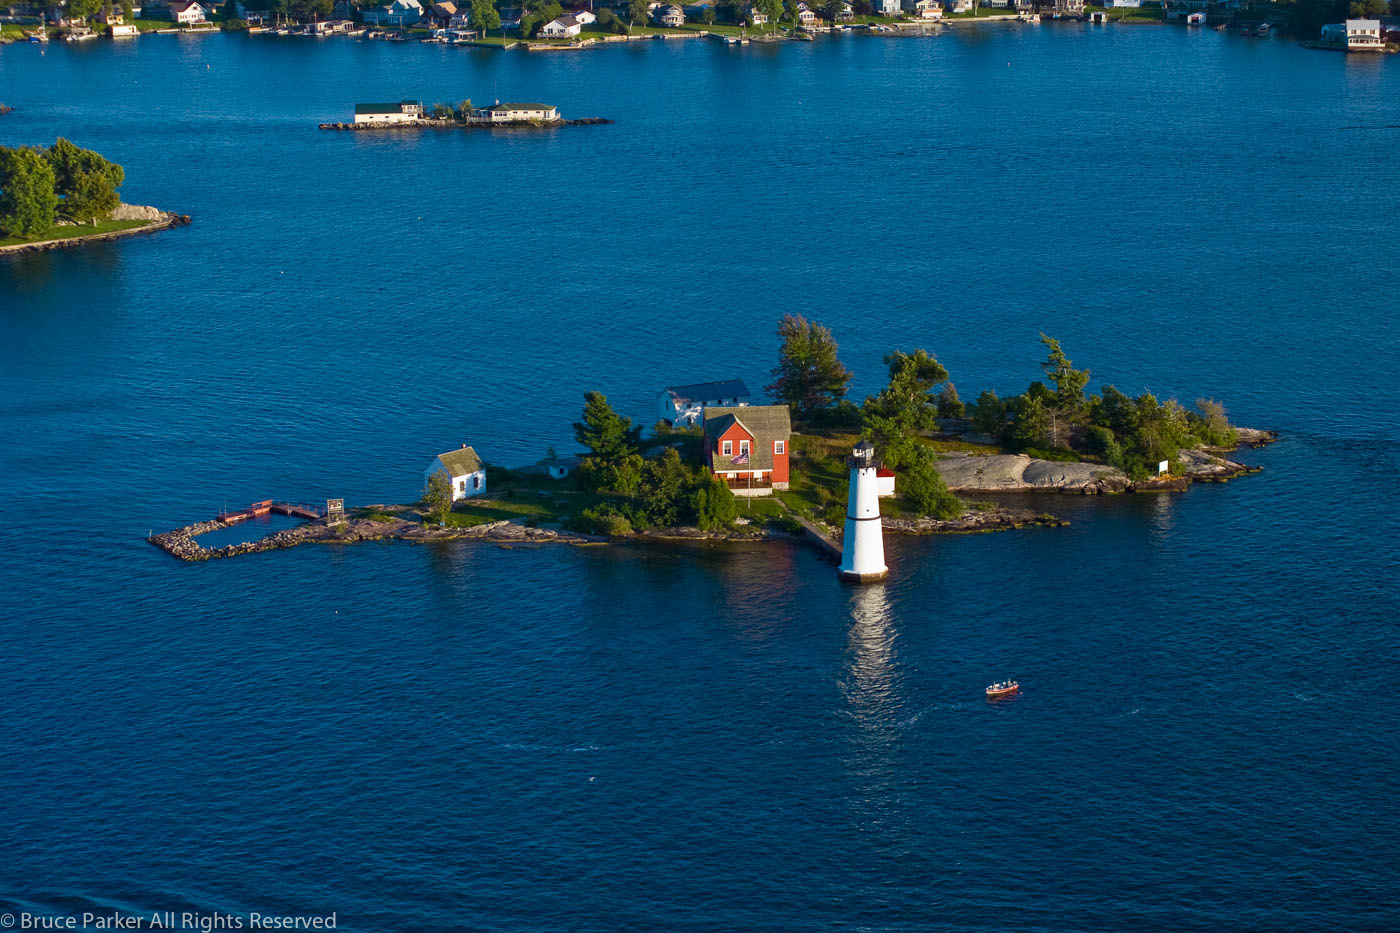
x: 808, y: 374
x: 437, y: 497
x: 949, y: 405
x: 989, y: 415
x: 1069, y: 382
x: 27, y: 197
x: 904, y: 407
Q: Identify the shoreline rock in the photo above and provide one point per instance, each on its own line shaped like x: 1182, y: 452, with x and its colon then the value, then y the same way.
x: 166, y: 221
x: 454, y: 125
x: 997, y: 473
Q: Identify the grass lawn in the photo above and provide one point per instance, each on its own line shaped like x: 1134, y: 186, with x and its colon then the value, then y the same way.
x: 14, y: 31
x: 68, y: 233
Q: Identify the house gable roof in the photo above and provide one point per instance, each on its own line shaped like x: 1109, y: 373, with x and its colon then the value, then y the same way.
x: 460, y: 462
x: 704, y: 391
x: 765, y: 423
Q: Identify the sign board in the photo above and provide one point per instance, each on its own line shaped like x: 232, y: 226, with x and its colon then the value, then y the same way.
x: 1164, y: 467
x: 335, y: 511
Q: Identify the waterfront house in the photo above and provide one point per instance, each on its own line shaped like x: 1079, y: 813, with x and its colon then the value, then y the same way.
x: 404, y: 111
x: 398, y: 13
x: 122, y: 31
x: 464, y: 470
x: 668, y: 14
x: 1355, y: 35
x: 847, y: 12
x: 686, y: 404
x: 585, y: 17
x: 112, y: 17
x: 754, y: 15
x: 887, y: 7
x: 448, y: 16
x: 562, y: 28
x: 187, y: 12
x: 748, y: 447
x: 959, y: 6
x: 928, y: 9
x: 805, y: 16
x: 516, y: 113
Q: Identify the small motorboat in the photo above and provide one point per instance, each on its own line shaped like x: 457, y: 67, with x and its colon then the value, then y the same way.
x: 1004, y: 689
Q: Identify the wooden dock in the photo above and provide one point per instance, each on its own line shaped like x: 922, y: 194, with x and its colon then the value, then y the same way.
x: 265, y: 506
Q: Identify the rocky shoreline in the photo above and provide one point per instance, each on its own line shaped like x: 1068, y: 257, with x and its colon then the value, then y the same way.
x: 163, y: 220
x: 995, y: 473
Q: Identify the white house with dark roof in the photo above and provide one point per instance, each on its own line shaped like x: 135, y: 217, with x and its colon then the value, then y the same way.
x: 564, y: 27
x: 464, y: 470
x: 404, y: 111
x: 516, y: 113
x: 686, y: 404
x: 188, y: 12
x: 668, y: 14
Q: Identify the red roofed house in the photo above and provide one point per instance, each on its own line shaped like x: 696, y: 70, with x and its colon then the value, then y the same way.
x: 747, y: 447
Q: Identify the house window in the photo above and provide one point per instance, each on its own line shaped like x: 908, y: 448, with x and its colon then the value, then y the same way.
x: 727, y: 448
x: 743, y: 447
x: 462, y: 486
x: 779, y: 447
x: 476, y: 482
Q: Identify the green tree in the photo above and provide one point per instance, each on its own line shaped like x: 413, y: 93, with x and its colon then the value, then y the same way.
x: 1213, y: 426
x: 989, y: 415
x: 436, y: 501
x: 637, y: 11
x: 127, y: 11
x: 485, y: 16
x: 714, y: 502
x: 27, y: 197
x: 606, y: 434
x: 905, y: 406
x: 664, y: 483
x: 923, y: 486
x: 773, y: 9
x: 1069, y: 382
x: 831, y: 10
x: 1030, y: 422
x: 81, y: 9
x: 808, y: 374
x: 949, y: 405
x: 230, y: 10
x: 85, y: 181
x: 1368, y: 8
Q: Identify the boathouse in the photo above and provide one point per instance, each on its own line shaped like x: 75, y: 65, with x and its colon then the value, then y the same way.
x: 748, y: 447
x: 405, y: 111
x: 464, y: 470
x: 686, y: 404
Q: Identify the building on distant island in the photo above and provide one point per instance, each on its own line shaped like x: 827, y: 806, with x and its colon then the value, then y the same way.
x: 516, y: 113
x: 188, y: 12
x: 398, y: 13
x: 686, y: 404
x: 463, y: 469
x: 1355, y: 35
x: 564, y: 27
x: 668, y: 14
x: 748, y: 447
x: 405, y: 111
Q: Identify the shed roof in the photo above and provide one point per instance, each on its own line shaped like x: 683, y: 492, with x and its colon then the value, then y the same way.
x: 461, y: 461
x: 704, y: 391
x: 519, y: 107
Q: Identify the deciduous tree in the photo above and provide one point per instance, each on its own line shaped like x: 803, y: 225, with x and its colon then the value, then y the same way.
x: 436, y: 502
x: 27, y: 197
x: 484, y: 15
x: 85, y: 181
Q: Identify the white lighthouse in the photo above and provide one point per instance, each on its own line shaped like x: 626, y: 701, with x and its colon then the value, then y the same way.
x: 863, y: 547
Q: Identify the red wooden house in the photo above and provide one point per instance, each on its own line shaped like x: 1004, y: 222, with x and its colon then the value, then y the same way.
x: 747, y: 447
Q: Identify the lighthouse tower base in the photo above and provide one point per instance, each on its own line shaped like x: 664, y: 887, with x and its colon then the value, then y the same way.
x: 863, y: 546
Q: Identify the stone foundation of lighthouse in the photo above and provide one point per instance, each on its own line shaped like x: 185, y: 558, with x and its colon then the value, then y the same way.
x: 863, y: 547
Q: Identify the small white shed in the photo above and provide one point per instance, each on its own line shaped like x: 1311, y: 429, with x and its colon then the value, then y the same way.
x: 464, y: 470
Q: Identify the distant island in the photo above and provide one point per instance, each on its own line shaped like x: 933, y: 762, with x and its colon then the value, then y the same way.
x: 411, y: 114
x: 716, y: 467
x: 64, y: 195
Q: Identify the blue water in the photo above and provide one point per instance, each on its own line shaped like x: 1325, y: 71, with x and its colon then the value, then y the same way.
x: 466, y: 737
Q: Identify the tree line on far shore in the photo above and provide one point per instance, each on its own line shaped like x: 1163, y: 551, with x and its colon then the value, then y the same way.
x: 39, y: 185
